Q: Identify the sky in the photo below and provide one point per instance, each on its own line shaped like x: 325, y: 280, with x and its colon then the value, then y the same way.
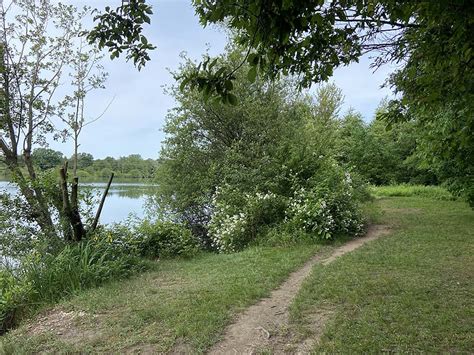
x: 132, y: 124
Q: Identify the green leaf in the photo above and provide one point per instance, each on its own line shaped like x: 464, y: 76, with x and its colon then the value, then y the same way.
x: 229, y: 85
x: 207, y: 92
x: 232, y: 99
x: 252, y: 74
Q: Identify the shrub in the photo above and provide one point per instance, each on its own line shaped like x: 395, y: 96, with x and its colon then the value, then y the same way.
x: 238, y: 218
x: 328, y: 205
x: 13, y: 295
x: 165, y: 239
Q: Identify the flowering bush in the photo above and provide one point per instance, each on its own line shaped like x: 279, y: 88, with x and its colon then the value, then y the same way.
x: 309, y: 212
x: 238, y: 217
x: 323, y: 206
x: 328, y: 206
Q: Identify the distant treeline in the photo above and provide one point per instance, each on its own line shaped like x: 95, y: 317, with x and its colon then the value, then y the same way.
x: 129, y: 167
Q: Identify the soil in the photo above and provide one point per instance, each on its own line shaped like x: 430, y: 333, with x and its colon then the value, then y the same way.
x: 65, y: 325
x: 265, y: 325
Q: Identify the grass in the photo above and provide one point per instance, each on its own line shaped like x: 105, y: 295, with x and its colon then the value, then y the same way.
x: 432, y: 192
x: 42, y: 280
x: 178, y: 303
x: 408, y: 292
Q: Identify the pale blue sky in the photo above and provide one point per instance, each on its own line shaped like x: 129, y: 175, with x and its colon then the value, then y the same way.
x: 132, y: 124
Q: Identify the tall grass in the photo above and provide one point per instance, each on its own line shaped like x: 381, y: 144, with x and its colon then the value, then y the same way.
x: 47, y: 278
x: 404, y: 190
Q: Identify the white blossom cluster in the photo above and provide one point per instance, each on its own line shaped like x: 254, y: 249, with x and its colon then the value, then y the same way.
x: 325, y: 214
x: 323, y: 211
x: 311, y: 213
x: 228, y: 230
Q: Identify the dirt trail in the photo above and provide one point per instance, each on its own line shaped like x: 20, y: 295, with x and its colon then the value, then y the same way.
x: 264, y: 326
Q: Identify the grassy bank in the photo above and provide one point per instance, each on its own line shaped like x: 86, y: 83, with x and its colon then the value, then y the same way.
x: 180, y: 303
x: 409, y: 292
x: 432, y: 192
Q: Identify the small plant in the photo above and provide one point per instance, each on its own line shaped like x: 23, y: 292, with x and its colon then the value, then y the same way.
x: 13, y: 295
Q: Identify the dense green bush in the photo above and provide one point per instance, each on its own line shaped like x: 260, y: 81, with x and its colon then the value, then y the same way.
x: 14, y: 294
x: 165, y: 239
x: 152, y: 239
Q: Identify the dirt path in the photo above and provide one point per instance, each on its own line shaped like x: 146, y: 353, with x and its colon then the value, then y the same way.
x: 264, y: 326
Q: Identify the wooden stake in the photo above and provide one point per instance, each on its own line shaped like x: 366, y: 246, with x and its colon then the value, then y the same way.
x: 101, y: 205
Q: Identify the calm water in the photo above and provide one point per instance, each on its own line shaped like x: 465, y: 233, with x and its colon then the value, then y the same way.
x: 123, y: 198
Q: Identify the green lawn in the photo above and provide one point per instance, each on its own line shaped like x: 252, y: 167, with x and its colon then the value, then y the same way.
x: 409, y: 292
x: 180, y: 302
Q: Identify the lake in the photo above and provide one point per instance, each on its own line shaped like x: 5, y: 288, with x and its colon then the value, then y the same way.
x: 123, y: 198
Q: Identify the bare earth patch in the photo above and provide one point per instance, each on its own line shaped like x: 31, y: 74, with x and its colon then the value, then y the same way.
x: 65, y: 325
x: 265, y: 325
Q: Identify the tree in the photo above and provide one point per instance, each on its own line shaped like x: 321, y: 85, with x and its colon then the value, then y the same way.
x: 431, y: 41
x: 87, y: 75
x: 84, y: 160
x: 380, y: 155
x: 46, y: 158
x: 37, y: 43
x: 275, y: 138
x: 31, y: 63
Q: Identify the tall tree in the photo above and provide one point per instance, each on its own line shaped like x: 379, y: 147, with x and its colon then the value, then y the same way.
x: 87, y: 74
x: 31, y: 63
x: 46, y: 158
x: 37, y: 43
x: 431, y: 41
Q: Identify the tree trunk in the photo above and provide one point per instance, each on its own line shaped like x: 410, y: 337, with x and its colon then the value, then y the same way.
x: 71, y: 211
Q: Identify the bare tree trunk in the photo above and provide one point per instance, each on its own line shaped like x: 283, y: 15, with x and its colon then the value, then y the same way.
x: 71, y: 210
